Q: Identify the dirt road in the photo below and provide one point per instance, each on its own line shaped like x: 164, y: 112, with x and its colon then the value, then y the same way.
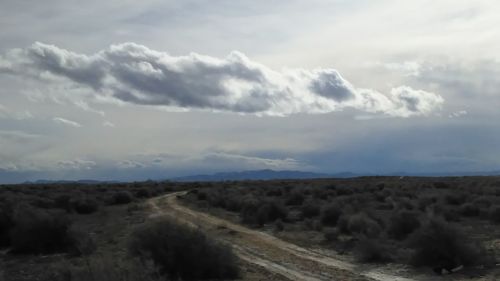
x: 274, y: 255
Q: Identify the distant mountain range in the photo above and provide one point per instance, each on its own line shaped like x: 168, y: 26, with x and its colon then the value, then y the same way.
x: 69, y: 181
x: 268, y: 174
x: 262, y: 175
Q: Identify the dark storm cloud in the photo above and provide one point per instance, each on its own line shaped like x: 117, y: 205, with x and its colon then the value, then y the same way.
x: 136, y: 74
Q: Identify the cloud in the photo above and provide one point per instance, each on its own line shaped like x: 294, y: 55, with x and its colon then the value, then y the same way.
x: 17, y: 135
x: 77, y: 164
x: 130, y: 164
x: 6, y: 113
x: 135, y: 74
x: 458, y: 114
x: 66, y: 122
x: 108, y: 124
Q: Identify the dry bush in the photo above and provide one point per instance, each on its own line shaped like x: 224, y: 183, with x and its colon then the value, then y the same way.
x: 37, y: 231
x: 296, y: 198
x: 361, y: 224
x: 183, y: 252
x: 6, y: 223
x: 494, y: 214
x: 372, y: 250
x: 331, y: 214
x: 440, y: 245
x: 85, y: 205
x: 469, y: 210
x: 403, y: 223
x: 270, y: 211
x: 106, y: 268
x: 311, y: 209
x: 122, y: 197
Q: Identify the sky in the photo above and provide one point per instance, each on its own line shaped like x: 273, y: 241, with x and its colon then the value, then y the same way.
x: 133, y: 90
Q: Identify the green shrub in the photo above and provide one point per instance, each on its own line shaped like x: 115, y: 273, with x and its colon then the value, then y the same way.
x: 183, y: 252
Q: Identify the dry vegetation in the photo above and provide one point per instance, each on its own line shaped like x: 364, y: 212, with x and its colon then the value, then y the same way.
x: 440, y: 223
x: 76, y: 232
x: 101, y: 232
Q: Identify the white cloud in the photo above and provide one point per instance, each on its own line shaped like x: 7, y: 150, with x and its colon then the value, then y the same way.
x: 458, y: 114
x: 135, y: 74
x: 10, y: 114
x: 129, y: 164
x: 63, y: 121
x: 108, y: 124
x: 77, y: 164
x: 17, y: 135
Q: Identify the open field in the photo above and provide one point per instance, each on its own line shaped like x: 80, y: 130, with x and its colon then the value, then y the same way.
x: 376, y: 228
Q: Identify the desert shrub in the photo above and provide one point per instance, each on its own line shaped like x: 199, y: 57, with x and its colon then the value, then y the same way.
x: 183, y: 252
x: 122, y: 197
x: 402, y: 224
x: 44, y: 203
x: 405, y: 203
x: 343, y: 223
x: 425, y: 201
x: 102, y: 268
x: 247, y: 213
x: 362, y: 224
x: 384, y: 206
x: 63, y: 201
x: 85, y: 205
x: 80, y: 243
x: 143, y: 193
x: 455, y: 198
x: 295, y: 198
x: 372, y: 250
x: 482, y: 202
x: 201, y: 195
x: 469, y: 210
x: 441, y: 185
x: 330, y: 214
x: 275, y: 192
x: 440, y: 245
x: 6, y: 223
x: 494, y: 214
x: 233, y: 204
x: 331, y: 235
x: 37, y: 231
x: 270, y: 212
x: 310, y: 209
x: 279, y: 226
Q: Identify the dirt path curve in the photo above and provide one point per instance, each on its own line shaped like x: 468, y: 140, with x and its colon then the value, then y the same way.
x: 273, y: 254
